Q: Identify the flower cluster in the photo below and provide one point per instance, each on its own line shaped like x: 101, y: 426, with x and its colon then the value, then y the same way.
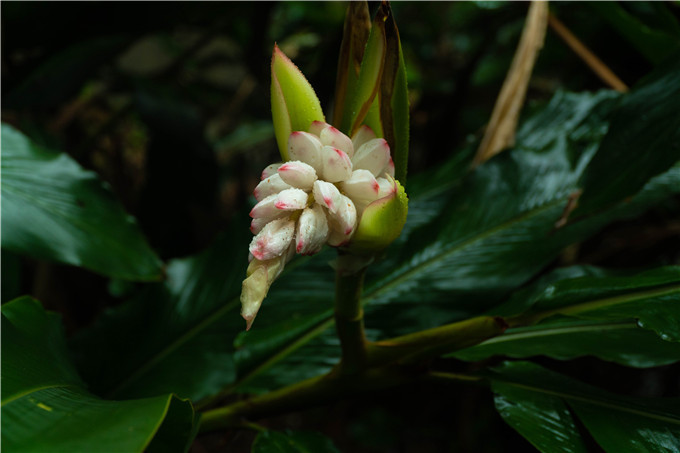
x: 316, y: 198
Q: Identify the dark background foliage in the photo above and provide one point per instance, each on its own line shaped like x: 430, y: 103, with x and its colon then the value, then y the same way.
x: 169, y: 103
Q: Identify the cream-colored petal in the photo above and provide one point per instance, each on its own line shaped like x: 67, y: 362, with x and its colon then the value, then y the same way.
x: 298, y: 174
x: 291, y: 200
x: 330, y: 136
x: 362, y: 185
x: 361, y: 136
x: 342, y: 222
x: 337, y: 166
x: 327, y: 195
x: 279, y: 204
x: 269, y: 186
x: 317, y: 126
x: 305, y: 147
x: 373, y: 156
x: 270, y: 170
x: 273, y: 240
x: 312, y: 231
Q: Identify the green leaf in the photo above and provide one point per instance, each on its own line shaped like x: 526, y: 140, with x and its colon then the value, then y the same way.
x: 650, y: 297
x: 655, y: 45
x: 622, y: 342
x: 292, y: 442
x: 178, y: 333
x: 497, y: 230
x: 46, y: 408
x: 54, y: 209
x: 636, y: 147
x: 615, y: 306
x: 543, y: 420
x: 534, y: 397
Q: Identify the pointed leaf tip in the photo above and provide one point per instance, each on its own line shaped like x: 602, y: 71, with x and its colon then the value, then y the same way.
x: 294, y: 103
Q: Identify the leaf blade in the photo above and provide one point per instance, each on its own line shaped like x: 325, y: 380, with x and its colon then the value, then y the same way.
x: 48, y: 408
x: 54, y: 209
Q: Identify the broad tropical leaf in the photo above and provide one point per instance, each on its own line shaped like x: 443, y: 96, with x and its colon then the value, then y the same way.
x: 532, y: 400
x: 46, y: 408
x: 54, y: 209
x: 636, y: 148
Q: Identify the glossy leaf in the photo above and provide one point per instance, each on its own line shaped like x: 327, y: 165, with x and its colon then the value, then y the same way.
x: 615, y: 307
x: 618, y: 423
x: 54, y: 209
x: 292, y: 442
x: 622, y: 342
x: 650, y: 297
x: 636, y: 147
x: 543, y: 420
x: 178, y: 334
x: 45, y: 406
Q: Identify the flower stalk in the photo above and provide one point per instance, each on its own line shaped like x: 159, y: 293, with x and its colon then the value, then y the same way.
x: 349, y: 320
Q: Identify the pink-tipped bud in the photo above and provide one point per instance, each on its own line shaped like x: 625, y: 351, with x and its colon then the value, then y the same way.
x: 312, y: 231
x: 373, y: 156
x: 363, y: 135
x: 270, y: 170
x: 273, y: 240
x: 362, y: 185
x: 305, y: 147
x: 330, y: 136
x: 317, y: 126
x: 337, y: 165
x: 342, y: 222
x: 291, y: 200
x: 269, y: 186
x: 327, y: 195
x: 298, y: 174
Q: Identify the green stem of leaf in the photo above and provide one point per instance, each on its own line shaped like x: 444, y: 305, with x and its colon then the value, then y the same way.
x: 431, y: 343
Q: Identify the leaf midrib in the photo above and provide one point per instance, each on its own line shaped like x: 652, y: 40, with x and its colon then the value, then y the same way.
x: 543, y: 331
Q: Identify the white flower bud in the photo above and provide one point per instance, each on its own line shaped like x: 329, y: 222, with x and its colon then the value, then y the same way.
x: 337, y: 165
x: 298, y: 174
x: 273, y: 240
x: 373, y: 156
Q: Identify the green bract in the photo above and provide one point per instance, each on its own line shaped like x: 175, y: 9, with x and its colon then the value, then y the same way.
x: 294, y: 103
x: 381, y: 222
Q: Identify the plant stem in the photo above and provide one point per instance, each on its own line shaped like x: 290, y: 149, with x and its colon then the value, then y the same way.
x: 349, y: 321
x: 430, y: 343
x: 311, y: 392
